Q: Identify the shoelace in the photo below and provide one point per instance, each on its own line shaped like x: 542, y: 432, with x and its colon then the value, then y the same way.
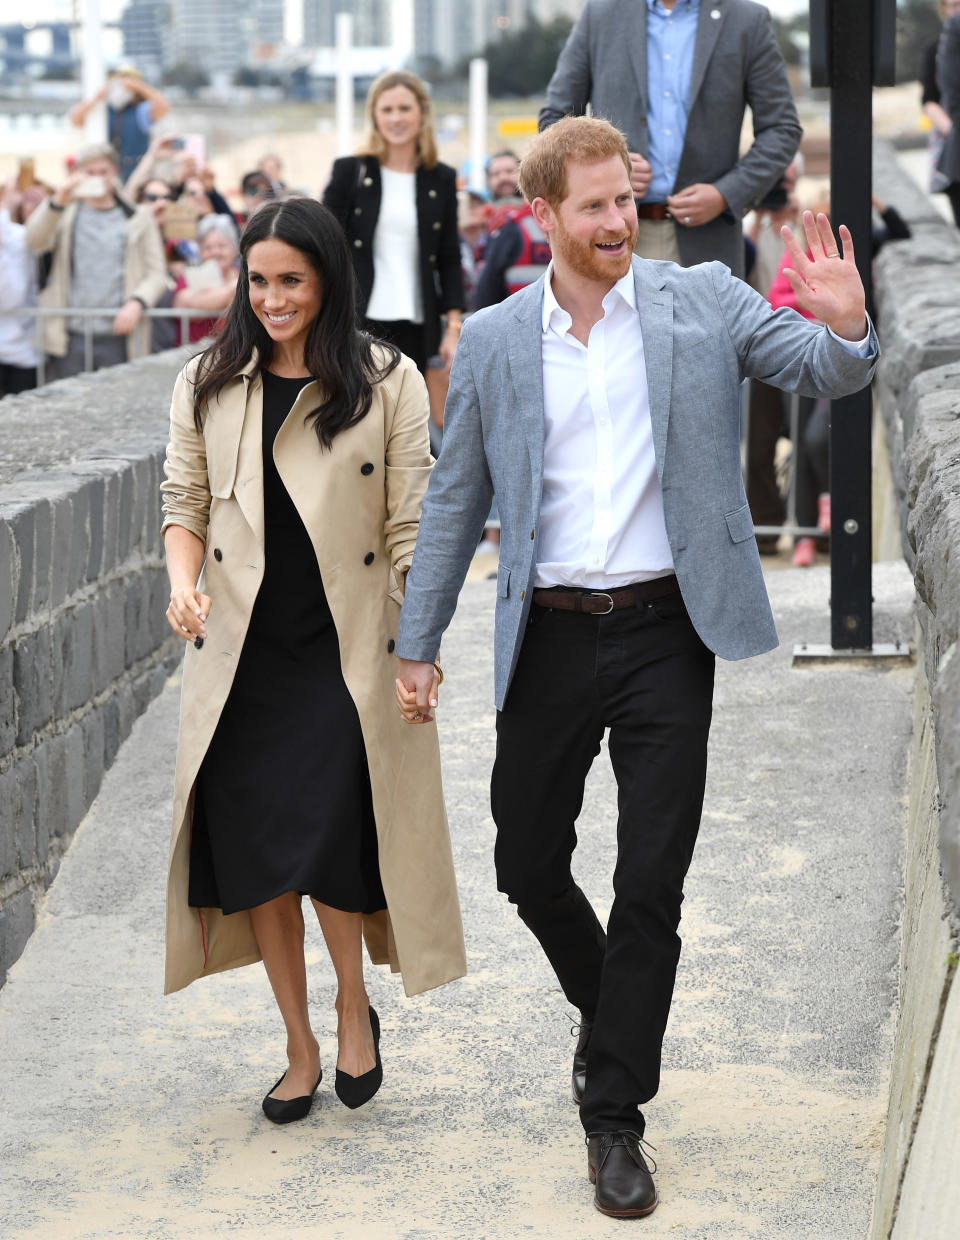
x: 610, y: 1139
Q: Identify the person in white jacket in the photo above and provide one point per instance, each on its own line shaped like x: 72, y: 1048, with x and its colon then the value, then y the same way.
x: 18, y: 289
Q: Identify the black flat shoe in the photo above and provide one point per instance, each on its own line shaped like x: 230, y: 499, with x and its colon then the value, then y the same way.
x: 286, y: 1110
x: 578, y: 1080
x: 625, y: 1187
x: 354, y: 1091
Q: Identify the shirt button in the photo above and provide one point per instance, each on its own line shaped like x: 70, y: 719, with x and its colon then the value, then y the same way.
x: 666, y: 95
x: 667, y: 56
x: 217, y: 554
x: 603, y: 421
x: 368, y: 558
x: 667, y: 132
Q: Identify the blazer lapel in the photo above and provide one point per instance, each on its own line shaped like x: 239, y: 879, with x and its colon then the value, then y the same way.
x: 525, y: 357
x: 248, y: 486
x: 632, y: 20
x: 655, y: 307
x: 708, y: 31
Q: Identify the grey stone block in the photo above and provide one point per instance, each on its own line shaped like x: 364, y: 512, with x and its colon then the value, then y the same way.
x: 79, y: 538
x: 138, y: 620
x: 62, y: 542
x: 21, y: 521
x: 33, y: 683
x: 16, y: 926
x: 43, y: 554
x: 108, y: 637
x: 125, y: 533
x: 53, y: 800
x: 111, y: 519
x: 141, y: 493
x: 97, y: 496
x: 111, y: 730
x: 44, y: 808
x: 146, y: 687
x: 75, y: 774
x: 8, y: 579
x: 25, y: 812
x: 72, y: 659
x: 8, y: 839
x: 93, y: 766
x: 8, y: 706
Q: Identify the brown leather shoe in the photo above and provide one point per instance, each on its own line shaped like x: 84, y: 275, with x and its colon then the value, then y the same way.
x: 625, y: 1187
x: 578, y: 1080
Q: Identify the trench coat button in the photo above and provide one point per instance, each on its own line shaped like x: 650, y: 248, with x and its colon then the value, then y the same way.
x: 431, y: 193
x: 217, y: 554
x: 368, y: 181
x: 391, y: 646
x: 358, y: 244
x: 368, y: 558
x: 366, y: 468
x: 437, y: 225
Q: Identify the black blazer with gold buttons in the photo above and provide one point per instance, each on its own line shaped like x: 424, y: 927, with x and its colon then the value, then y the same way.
x: 353, y: 195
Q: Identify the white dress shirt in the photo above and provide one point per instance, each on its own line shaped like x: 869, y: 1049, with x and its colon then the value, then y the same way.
x: 601, y: 516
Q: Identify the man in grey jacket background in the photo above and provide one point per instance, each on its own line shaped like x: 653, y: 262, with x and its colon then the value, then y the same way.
x: 601, y: 406
x: 675, y: 76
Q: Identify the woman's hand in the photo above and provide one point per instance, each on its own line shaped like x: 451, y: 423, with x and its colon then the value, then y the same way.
x: 187, y: 613
x: 418, y: 686
x: 448, y: 344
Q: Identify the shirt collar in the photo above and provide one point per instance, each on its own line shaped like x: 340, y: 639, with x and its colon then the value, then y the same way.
x: 624, y: 288
x: 681, y: 4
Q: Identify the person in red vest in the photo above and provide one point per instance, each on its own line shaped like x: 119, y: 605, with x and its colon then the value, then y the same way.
x: 517, y: 254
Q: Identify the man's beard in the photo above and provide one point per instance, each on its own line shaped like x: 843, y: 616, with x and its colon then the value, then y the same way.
x: 584, y: 258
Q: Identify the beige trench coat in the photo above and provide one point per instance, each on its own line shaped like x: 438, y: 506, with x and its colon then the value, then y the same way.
x: 214, y: 487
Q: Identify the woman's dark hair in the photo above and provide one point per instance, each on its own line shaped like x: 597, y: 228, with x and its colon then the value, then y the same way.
x: 337, y: 354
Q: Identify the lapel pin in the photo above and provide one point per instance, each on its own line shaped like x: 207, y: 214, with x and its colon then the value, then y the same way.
x: 715, y: 14
x: 369, y: 180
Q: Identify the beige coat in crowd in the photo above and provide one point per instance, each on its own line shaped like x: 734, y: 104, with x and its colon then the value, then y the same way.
x: 214, y: 487
x: 144, y: 269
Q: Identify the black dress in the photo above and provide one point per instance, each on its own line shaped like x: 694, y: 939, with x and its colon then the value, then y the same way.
x: 283, y: 795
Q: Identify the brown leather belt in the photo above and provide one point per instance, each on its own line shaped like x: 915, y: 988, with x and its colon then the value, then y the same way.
x: 602, y: 602
x: 653, y: 211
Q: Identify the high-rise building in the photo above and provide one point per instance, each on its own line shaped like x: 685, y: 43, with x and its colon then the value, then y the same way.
x: 372, y: 23
x: 217, y: 34
x: 268, y: 16
x: 446, y: 31
x: 145, y: 25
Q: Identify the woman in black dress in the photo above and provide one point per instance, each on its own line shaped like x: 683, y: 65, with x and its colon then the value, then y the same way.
x: 281, y: 803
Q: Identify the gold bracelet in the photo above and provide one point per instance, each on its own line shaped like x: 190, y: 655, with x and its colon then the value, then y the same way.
x: 439, y: 671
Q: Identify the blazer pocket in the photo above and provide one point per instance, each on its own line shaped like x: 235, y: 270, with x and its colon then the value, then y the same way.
x: 739, y: 523
x: 503, y: 581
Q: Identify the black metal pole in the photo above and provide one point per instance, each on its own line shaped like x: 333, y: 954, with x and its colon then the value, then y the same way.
x: 851, y: 177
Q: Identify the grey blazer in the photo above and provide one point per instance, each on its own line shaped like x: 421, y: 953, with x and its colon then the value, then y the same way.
x: 736, y: 62
x: 703, y: 332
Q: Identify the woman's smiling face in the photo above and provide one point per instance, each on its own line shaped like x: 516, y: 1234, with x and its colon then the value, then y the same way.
x: 284, y: 290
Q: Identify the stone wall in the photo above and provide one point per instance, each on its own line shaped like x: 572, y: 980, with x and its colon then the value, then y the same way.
x: 84, y: 645
x: 918, y: 394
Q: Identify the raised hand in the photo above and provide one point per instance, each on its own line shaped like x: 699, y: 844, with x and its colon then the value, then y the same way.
x: 825, y: 280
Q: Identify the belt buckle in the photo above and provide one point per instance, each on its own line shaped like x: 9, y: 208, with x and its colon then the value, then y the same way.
x: 602, y: 594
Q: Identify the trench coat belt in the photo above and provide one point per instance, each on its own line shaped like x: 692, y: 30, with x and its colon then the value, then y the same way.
x: 653, y: 211
x: 602, y: 602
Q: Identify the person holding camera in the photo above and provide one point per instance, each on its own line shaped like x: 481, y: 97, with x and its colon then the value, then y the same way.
x: 106, y: 253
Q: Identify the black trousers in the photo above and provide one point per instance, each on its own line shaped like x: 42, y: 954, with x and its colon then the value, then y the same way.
x: 407, y: 336
x: 645, y: 674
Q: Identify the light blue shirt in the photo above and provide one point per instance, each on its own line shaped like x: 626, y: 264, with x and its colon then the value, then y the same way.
x: 671, y: 35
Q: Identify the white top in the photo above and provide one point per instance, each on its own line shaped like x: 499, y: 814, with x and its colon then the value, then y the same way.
x: 18, y: 288
x: 601, y: 517
x: 396, y: 292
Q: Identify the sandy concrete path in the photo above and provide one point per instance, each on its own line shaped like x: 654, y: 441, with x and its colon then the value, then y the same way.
x: 123, y: 1114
